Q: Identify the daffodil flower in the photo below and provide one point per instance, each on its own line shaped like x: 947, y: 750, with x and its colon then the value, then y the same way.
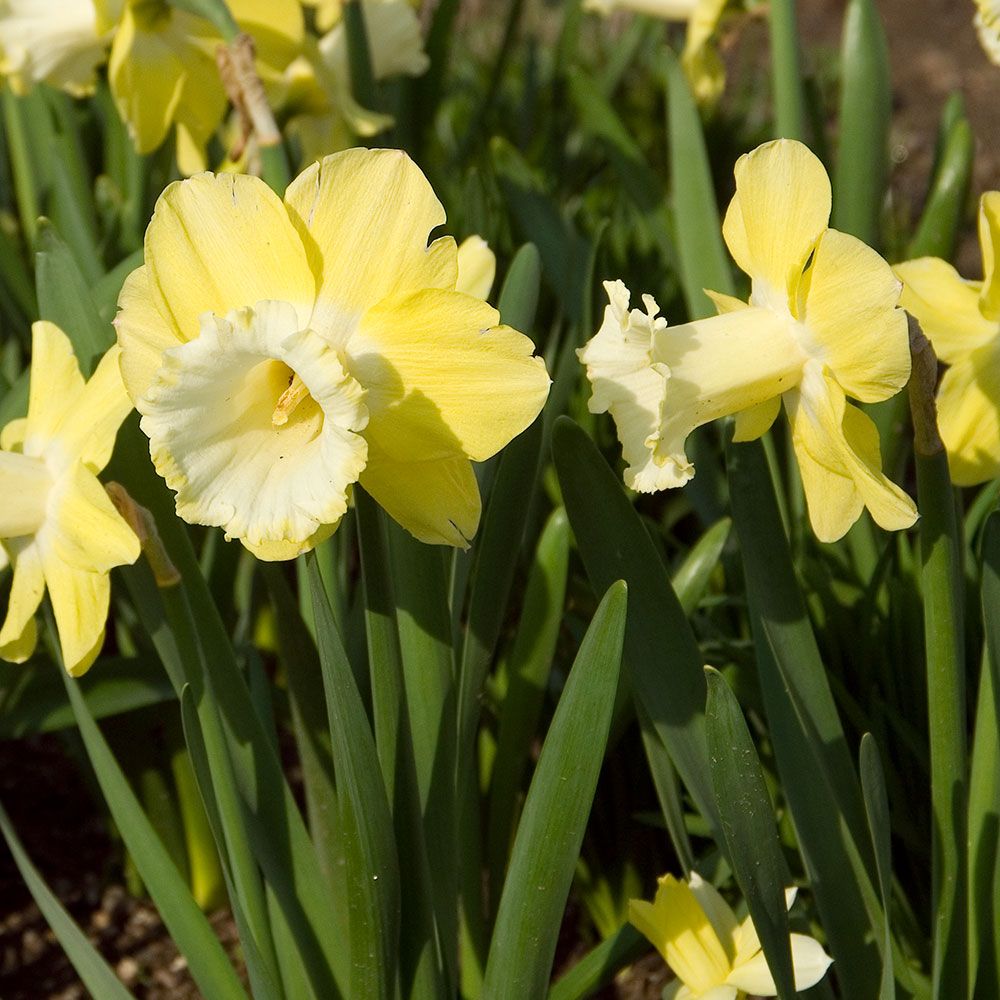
x: 163, y: 70
x: 57, y: 525
x: 821, y: 324
x: 987, y: 21
x: 281, y: 351
x: 322, y: 113
x: 62, y: 48
x: 713, y: 955
x: 700, y: 58
x: 962, y: 321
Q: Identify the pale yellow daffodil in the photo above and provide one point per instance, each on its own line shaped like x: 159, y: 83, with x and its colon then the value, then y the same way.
x: 713, y: 955
x: 321, y: 111
x: 987, y: 21
x: 281, y: 351
x: 57, y: 525
x: 821, y: 324
x: 700, y: 58
x: 163, y: 70
x: 61, y: 47
x: 962, y: 321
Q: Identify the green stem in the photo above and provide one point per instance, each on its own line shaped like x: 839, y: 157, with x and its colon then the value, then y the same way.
x: 942, y: 585
x: 25, y: 188
x: 786, y: 71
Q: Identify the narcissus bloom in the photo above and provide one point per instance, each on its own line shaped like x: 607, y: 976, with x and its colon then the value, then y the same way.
x: 987, y: 23
x: 700, y: 58
x: 714, y: 956
x: 163, y: 70
x: 57, y: 525
x: 821, y: 324
x: 62, y: 47
x: 321, y: 111
x: 962, y: 321
x: 477, y: 267
x: 281, y: 351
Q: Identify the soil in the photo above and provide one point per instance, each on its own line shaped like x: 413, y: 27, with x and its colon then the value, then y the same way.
x: 934, y: 50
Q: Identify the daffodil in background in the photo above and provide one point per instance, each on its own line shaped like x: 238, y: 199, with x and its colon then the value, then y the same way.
x: 700, y: 58
x: 477, y: 267
x: 281, y: 351
x: 713, y: 955
x: 962, y: 321
x: 163, y: 70
x: 58, y: 527
x: 318, y: 105
x: 62, y: 48
x: 821, y: 324
x: 987, y: 21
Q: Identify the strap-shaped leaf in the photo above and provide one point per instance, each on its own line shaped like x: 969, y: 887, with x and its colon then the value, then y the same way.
x: 371, y: 866
x: 547, y: 845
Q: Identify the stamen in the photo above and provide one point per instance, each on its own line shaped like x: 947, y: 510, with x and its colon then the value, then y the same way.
x: 288, y: 400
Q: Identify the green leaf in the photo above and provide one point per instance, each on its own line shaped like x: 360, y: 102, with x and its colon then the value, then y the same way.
x: 188, y: 926
x: 943, y: 587
x: 551, y: 830
x: 751, y: 836
x: 804, y: 725
x: 528, y: 668
x: 944, y: 209
x: 702, y: 255
x: 692, y: 576
x: 984, y: 785
x: 96, y: 974
x: 518, y: 299
x: 64, y: 299
x: 33, y: 699
x: 663, y: 658
x: 600, y: 965
x: 877, y: 810
x: 371, y: 867
x: 865, y: 110
x: 420, y: 974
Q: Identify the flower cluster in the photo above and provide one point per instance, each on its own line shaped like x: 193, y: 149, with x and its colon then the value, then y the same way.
x: 163, y: 73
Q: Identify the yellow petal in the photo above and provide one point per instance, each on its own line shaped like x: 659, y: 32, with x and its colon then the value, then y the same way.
x: 19, y: 633
x: 436, y: 501
x: 780, y: 209
x: 725, y: 303
x: 679, y: 929
x: 12, y: 436
x: 365, y: 216
x: 277, y: 28
x: 223, y: 242
x: 718, y: 911
x: 89, y: 434
x: 477, y: 267
x: 87, y: 532
x: 284, y: 550
x: 989, y: 241
x: 837, y: 448
x: 755, y: 421
x: 968, y: 416
x: 945, y: 305
x: 144, y: 332
x: 146, y: 74
x: 851, y: 317
x: 56, y: 385
x: 626, y: 383
x: 210, y: 418
x: 443, y: 379
x: 80, y: 602
x: 702, y: 63
x: 25, y: 482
